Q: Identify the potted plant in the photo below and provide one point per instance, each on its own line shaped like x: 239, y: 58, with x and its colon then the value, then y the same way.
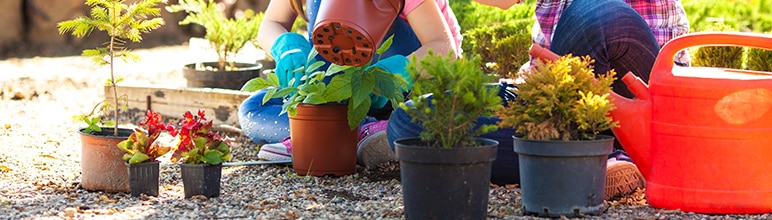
x: 201, y: 153
x: 142, y: 151
x: 101, y: 164
x: 227, y: 37
x: 336, y: 99
x: 446, y: 171
x: 560, y: 108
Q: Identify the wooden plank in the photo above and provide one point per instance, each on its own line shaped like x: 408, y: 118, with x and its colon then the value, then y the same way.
x: 220, y: 105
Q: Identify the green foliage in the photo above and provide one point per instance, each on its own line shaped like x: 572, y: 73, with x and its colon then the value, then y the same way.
x: 347, y: 84
x: 471, y: 14
x: 122, y: 23
x: 141, y: 145
x: 747, y: 15
x: 561, y: 100
x: 459, y: 96
x: 506, y: 45
x: 198, y: 143
x: 759, y: 59
x: 227, y: 35
x: 718, y: 56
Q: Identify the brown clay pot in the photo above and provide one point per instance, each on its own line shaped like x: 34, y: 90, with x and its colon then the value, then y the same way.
x: 322, y: 143
x: 102, y: 166
x: 350, y: 35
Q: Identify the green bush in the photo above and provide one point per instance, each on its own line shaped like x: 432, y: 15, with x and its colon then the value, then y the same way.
x: 504, y: 44
x: 718, y: 56
x: 748, y: 15
x: 759, y: 59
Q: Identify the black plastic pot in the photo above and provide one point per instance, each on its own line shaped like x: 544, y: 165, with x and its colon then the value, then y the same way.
x: 563, y: 178
x: 233, y: 80
x: 201, y: 179
x: 143, y: 178
x: 445, y: 183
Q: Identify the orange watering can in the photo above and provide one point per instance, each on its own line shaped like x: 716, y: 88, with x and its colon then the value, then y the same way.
x: 701, y: 136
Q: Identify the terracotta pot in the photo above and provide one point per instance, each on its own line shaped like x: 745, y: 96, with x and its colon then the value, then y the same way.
x: 200, y: 78
x: 322, y: 142
x: 350, y: 35
x: 102, y: 166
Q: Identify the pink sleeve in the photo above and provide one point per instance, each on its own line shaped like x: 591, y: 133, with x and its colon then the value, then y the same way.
x: 409, y: 6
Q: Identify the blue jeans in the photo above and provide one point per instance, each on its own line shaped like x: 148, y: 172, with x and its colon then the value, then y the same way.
x: 611, y: 33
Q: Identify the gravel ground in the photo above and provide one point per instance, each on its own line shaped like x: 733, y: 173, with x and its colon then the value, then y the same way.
x: 40, y: 161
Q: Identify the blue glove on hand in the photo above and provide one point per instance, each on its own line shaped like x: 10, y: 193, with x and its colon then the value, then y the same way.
x: 396, y: 64
x: 290, y: 51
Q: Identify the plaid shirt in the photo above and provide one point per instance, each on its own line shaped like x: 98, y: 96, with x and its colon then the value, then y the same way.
x: 666, y: 18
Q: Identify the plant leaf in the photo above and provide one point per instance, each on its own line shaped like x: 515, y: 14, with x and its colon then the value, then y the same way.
x: 212, y: 157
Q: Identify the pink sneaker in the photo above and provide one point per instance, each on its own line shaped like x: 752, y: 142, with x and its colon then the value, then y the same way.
x: 276, y: 151
x: 373, y: 147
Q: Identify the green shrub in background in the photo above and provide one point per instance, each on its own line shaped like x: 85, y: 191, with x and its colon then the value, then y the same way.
x: 505, y: 45
x: 718, y: 56
x: 500, y: 37
x: 758, y: 59
x: 745, y: 15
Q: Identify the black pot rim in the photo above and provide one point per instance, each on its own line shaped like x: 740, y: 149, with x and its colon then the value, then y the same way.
x: 602, y: 145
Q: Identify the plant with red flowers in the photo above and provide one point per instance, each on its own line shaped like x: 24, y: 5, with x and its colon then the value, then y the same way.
x: 141, y: 145
x: 198, y: 143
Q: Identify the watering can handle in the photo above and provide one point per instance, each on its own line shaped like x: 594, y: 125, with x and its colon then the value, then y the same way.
x: 665, y: 60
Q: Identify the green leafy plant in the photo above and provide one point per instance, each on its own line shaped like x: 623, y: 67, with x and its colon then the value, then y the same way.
x: 141, y: 145
x: 460, y: 94
x: 226, y: 35
x: 718, y: 56
x: 759, y: 59
x: 561, y: 100
x: 198, y: 143
x: 122, y: 23
x: 337, y: 84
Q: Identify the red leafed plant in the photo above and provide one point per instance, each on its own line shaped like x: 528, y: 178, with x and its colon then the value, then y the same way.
x: 198, y: 144
x: 141, y: 145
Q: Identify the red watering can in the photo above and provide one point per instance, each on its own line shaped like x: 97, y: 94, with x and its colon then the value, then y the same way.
x: 701, y: 136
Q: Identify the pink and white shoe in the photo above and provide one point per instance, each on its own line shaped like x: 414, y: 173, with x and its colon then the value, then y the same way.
x: 276, y: 151
x: 373, y: 147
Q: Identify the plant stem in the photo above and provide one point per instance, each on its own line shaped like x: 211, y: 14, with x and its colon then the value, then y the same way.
x: 112, y: 74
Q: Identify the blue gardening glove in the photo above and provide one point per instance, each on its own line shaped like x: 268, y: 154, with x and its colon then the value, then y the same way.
x: 290, y: 50
x: 396, y: 64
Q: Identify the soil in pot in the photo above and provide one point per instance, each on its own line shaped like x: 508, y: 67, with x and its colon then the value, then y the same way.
x: 102, y: 165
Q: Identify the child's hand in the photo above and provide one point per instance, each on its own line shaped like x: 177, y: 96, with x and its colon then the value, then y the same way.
x: 290, y: 50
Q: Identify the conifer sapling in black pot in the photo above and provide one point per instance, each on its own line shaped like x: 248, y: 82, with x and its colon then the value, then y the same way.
x: 560, y: 108
x: 446, y: 171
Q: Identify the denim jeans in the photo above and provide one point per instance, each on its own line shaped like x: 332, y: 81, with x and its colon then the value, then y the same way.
x: 611, y: 33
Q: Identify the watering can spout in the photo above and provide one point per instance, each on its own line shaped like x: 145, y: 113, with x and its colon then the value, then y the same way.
x: 634, y: 117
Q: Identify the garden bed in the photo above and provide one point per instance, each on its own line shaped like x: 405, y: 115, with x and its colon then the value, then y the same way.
x: 40, y: 160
